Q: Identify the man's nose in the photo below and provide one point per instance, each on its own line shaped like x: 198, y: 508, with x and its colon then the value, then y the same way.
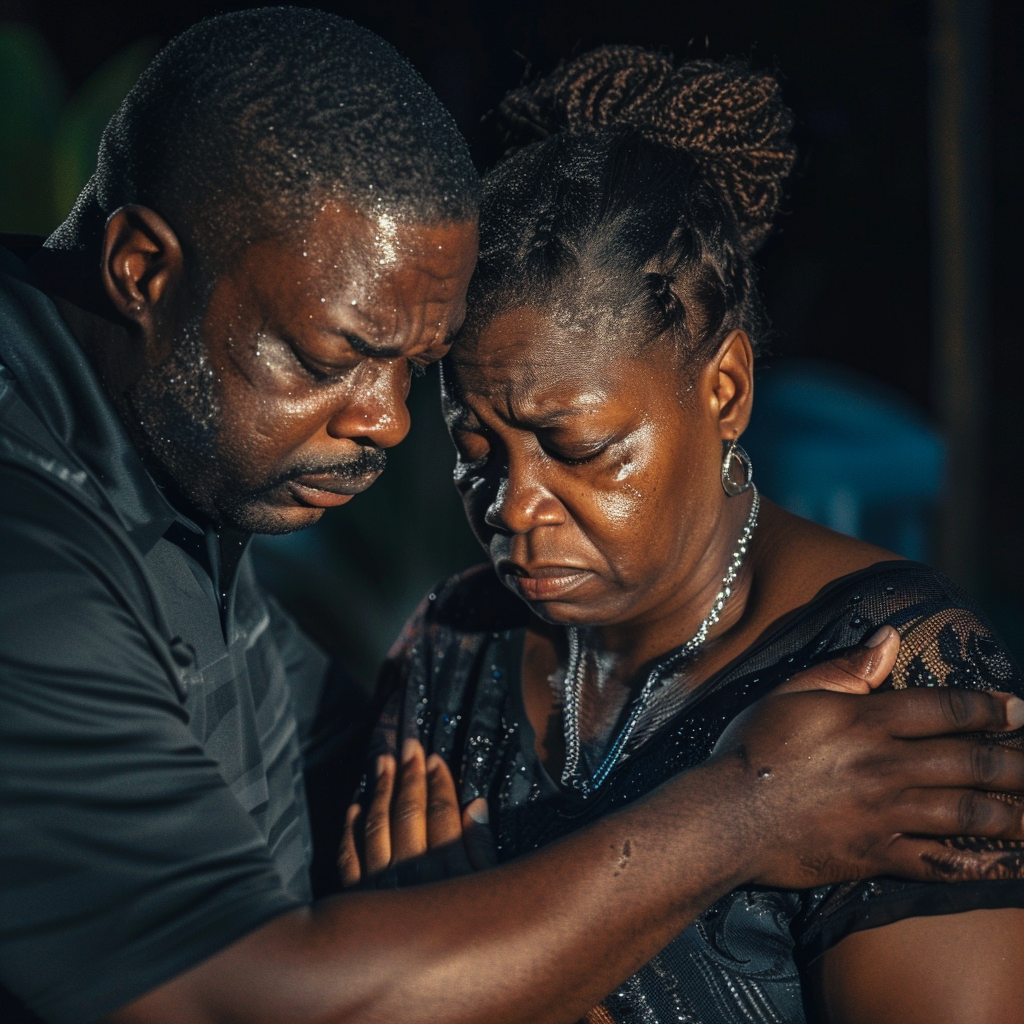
x: 523, y: 502
x: 374, y: 408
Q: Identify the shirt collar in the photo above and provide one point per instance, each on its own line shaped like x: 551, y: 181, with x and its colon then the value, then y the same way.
x: 57, y: 382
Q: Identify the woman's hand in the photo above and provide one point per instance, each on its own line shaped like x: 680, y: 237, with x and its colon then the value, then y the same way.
x: 413, y: 830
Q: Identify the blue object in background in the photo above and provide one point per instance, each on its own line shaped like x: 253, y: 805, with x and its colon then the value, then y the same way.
x: 842, y: 449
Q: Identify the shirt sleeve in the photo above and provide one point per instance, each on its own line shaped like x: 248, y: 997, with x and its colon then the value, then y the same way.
x: 942, y: 643
x: 124, y: 857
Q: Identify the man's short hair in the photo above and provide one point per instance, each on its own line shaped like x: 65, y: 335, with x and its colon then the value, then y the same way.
x: 245, y: 124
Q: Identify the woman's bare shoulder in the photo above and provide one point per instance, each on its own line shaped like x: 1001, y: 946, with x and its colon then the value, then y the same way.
x: 798, y: 557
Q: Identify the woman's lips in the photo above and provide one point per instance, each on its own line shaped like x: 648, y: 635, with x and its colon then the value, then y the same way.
x: 544, y: 582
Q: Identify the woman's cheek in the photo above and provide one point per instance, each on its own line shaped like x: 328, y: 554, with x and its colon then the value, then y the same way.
x: 623, y: 495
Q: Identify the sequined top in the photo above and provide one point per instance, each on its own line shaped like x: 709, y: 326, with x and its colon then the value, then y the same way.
x: 456, y: 673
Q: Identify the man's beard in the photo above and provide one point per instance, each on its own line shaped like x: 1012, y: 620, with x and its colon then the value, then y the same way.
x: 179, y: 420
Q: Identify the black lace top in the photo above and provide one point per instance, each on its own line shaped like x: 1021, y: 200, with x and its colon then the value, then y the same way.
x: 456, y: 673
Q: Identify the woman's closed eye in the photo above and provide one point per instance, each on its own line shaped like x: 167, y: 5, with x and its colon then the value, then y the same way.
x: 574, y: 451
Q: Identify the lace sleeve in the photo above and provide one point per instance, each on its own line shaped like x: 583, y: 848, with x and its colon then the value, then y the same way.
x: 952, y: 646
x: 942, y: 644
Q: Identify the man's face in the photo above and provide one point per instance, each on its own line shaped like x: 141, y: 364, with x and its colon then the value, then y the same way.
x: 278, y: 400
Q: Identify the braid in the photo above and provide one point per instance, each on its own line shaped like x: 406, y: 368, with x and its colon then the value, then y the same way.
x: 645, y: 191
x: 730, y: 119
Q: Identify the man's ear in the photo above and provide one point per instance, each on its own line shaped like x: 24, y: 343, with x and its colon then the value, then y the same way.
x: 733, y: 384
x: 142, y: 262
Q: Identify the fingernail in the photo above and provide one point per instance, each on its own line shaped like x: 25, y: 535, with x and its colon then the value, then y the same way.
x: 409, y: 749
x: 382, y: 763
x: 433, y: 763
x: 879, y: 636
x: 1015, y: 712
x: 479, y: 813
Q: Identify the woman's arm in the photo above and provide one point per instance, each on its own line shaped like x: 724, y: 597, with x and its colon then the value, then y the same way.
x: 958, y: 969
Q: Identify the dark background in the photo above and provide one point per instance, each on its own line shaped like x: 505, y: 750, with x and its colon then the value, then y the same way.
x: 846, y: 276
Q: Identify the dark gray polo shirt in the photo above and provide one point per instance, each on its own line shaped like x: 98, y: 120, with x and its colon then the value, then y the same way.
x: 151, y: 794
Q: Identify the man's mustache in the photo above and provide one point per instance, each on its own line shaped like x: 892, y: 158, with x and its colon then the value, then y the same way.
x: 369, y: 460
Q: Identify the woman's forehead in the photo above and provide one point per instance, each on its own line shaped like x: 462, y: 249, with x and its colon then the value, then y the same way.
x: 532, y: 337
x: 532, y: 365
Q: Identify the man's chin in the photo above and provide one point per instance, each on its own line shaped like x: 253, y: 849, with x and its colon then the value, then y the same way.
x: 261, y: 517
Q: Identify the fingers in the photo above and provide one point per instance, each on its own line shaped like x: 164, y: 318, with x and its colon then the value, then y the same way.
x: 409, y: 808
x: 944, y: 709
x: 443, y: 820
x: 929, y: 860
x: 861, y: 670
x: 348, y: 856
x: 415, y: 810
x: 477, y: 835
x: 956, y: 763
x: 958, y: 812
x: 377, y: 830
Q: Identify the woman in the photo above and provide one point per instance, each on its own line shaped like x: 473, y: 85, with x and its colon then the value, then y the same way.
x: 596, y: 396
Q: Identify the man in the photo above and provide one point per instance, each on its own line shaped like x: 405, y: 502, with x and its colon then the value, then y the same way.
x: 219, y: 341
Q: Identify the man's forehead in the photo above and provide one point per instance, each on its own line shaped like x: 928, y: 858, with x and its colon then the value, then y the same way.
x: 383, y: 234
x: 386, y: 283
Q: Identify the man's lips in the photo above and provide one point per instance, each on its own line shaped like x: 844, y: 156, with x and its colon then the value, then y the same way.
x: 326, y: 491
x: 543, y: 582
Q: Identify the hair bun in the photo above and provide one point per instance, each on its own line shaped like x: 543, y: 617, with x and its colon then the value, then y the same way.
x: 728, y: 117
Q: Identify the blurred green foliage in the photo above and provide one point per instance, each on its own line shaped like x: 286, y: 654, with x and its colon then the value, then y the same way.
x: 48, y: 139
x: 34, y: 94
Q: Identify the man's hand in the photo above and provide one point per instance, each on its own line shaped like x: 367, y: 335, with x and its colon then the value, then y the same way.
x: 842, y: 788
x: 833, y: 786
x: 860, y: 670
x: 413, y: 829
x: 414, y: 818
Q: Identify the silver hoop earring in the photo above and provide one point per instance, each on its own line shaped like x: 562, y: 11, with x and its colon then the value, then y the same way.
x: 729, y: 485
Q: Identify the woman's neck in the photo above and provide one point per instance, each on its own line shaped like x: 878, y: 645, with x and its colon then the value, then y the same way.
x: 609, y: 667
x: 628, y: 650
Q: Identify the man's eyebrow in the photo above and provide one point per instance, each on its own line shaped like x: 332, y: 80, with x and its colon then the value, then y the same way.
x: 364, y: 348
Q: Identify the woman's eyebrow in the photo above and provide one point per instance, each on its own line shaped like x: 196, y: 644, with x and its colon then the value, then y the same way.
x: 552, y: 417
x: 543, y: 415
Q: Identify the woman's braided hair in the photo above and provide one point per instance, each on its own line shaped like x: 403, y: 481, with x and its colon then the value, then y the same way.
x: 641, y: 185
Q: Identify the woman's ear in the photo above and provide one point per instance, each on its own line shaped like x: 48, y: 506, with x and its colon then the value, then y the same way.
x: 142, y: 262
x: 733, y: 384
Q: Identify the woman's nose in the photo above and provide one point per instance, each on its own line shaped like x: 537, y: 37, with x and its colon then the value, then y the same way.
x: 522, y: 502
x: 374, y: 408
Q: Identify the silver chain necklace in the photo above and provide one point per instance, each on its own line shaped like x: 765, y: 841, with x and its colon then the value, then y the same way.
x: 575, y: 675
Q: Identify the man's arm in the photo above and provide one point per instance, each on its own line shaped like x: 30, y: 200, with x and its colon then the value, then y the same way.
x: 546, y: 937
x: 956, y: 968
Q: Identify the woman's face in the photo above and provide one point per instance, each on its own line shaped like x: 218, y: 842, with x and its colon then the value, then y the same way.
x: 590, y: 476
